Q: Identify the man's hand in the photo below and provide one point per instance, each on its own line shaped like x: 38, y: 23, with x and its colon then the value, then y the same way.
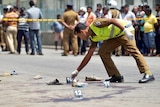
x: 71, y: 27
x: 128, y: 34
x: 74, y: 74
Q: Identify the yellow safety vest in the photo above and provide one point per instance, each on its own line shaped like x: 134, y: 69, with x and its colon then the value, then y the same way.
x: 109, y: 32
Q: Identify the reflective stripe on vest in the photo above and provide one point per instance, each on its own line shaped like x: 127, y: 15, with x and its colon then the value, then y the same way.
x: 109, y: 32
x: 112, y: 32
x: 105, y: 33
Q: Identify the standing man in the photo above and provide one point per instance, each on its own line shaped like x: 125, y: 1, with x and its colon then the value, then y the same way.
x: 157, y: 38
x: 69, y: 20
x: 123, y: 34
x: 23, y: 31
x: 150, y: 23
x: 128, y: 15
x: 131, y: 18
x: 2, y: 43
x: 98, y: 11
x: 57, y: 32
x: 34, y: 28
x: 11, y: 30
x: 82, y: 43
x: 105, y: 12
x: 91, y: 16
x: 115, y: 13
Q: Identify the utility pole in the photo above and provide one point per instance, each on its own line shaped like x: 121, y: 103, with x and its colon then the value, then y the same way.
x: 18, y: 3
x: 121, y: 3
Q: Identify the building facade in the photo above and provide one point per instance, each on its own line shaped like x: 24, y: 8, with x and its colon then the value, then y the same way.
x: 50, y: 8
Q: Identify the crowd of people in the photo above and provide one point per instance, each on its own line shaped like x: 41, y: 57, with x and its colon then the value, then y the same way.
x: 14, y: 31
x: 147, y: 28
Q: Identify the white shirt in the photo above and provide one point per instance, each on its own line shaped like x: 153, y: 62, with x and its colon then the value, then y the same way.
x: 130, y: 16
x: 83, y: 18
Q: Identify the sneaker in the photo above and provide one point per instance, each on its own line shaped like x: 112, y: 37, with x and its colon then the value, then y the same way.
x: 55, y: 82
x: 75, y: 54
x: 93, y: 78
x: 116, y: 79
x: 12, y: 53
x: 5, y: 74
x: 79, y: 84
x: 74, y: 74
x: 158, y: 55
x: 13, y: 73
x: 146, y: 78
x: 38, y: 77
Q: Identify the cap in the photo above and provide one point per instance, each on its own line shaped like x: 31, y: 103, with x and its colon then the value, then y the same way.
x: 112, y: 4
x: 141, y: 5
x: 9, y: 6
x: 69, y: 4
x: 83, y: 9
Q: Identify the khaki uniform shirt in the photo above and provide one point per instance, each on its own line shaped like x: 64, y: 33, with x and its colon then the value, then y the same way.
x: 70, y: 17
x: 12, y: 15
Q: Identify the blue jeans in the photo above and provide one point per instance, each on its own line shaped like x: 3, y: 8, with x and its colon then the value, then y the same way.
x: 32, y: 35
x: 82, y: 44
x: 143, y: 47
x: 20, y: 34
x: 149, y: 39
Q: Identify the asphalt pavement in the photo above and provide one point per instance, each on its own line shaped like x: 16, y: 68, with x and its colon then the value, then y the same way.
x: 22, y: 90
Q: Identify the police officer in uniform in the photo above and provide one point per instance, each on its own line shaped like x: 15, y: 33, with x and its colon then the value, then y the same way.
x: 69, y: 20
x: 115, y: 32
x: 114, y: 13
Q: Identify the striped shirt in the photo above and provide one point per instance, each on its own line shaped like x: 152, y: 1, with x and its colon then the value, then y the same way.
x: 23, y: 24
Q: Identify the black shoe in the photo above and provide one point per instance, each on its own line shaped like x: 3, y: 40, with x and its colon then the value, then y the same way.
x: 12, y: 53
x: 55, y: 82
x: 40, y: 53
x: 4, y: 50
x: 32, y: 53
x: 146, y: 78
x: 117, y: 55
x: 116, y: 79
x: 64, y: 54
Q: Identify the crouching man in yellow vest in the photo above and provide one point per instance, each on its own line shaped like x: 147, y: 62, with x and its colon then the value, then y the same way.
x: 115, y: 32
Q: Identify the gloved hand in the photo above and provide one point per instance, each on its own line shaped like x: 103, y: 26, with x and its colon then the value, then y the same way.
x: 74, y: 74
x: 128, y: 34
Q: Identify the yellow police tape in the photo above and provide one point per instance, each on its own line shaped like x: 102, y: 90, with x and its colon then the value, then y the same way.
x: 51, y: 20
x: 30, y: 20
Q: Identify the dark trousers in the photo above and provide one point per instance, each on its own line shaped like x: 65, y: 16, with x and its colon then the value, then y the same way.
x: 20, y: 34
x: 157, y: 42
x: 82, y: 44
